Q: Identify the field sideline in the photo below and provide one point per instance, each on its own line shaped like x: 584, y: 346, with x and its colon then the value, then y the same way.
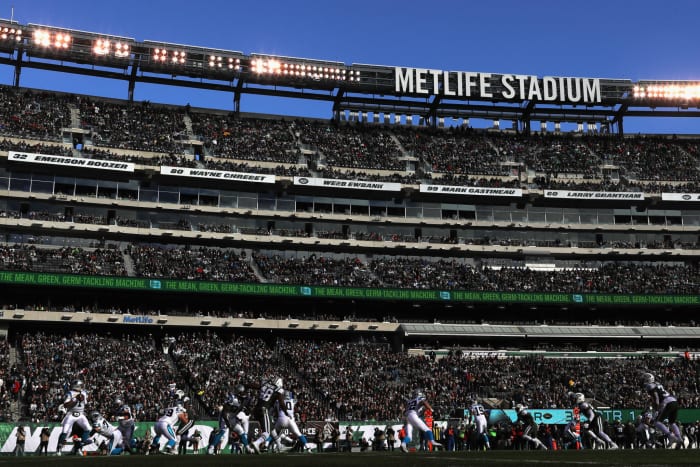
x: 378, y: 459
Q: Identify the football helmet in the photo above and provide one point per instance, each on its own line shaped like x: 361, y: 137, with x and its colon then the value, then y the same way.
x: 232, y: 400
x: 647, y: 378
x: 579, y: 397
x: 418, y: 394
x: 180, y: 394
x: 239, y: 389
x: 279, y: 384
x: 519, y: 408
x: 95, y: 417
x: 118, y: 402
x: 77, y: 385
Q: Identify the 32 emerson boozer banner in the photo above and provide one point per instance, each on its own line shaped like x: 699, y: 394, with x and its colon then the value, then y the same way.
x: 497, y: 86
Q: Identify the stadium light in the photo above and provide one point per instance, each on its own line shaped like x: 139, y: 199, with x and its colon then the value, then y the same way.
x: 221, y: 63
x: 298, y: 69
x: 11, y: 34
x: 668, y: 90
x: 57, y: 40
x: 105, y: 47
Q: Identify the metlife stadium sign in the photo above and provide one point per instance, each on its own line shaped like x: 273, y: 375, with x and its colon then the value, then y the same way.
x: 462, y: 84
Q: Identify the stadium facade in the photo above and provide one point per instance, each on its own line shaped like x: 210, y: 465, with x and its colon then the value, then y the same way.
x: 499, y: 236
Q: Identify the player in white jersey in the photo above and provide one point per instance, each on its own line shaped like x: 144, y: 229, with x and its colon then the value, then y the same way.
x: 284, y: 409
x: 414, y: 409
x: 173, y: 417
x: 595, y: 422
x: 665, y: 407
x: 126, y: 423
x: 477, y: 414
x: 74, y: 403
x: 103, y: 428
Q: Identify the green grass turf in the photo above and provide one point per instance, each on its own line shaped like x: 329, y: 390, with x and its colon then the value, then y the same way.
x: 377, y: 459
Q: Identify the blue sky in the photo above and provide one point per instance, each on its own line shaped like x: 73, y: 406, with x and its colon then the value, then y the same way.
x: 593, y: 38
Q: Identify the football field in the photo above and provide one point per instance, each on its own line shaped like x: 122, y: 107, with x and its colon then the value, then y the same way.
x: 378, y: 459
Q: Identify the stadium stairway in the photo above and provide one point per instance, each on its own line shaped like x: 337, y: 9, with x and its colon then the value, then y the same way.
x: 129, y: 265
x: 255, y: 268
x: 18, y: 408
x: 74, y: 117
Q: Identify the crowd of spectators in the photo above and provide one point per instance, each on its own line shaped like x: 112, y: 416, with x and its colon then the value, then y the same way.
x: 33, y: 114
x: 455, y: 156
x: 212, y: 264
x: 357, y: 147
x: 10, y: 381
x: 346, y: 270
x: 332, y: 379
x: 454, y: 151
x: 229, y: 137
x: 131, y: 367
x: 72, y: 260
x: 139, y: 126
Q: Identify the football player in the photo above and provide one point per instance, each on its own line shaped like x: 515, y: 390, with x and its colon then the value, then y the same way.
x: 175, y: 416
x: 595, y: 421
x: 103, y: 428
x: 74, y: 403
x: 126, y: 423
x: 270, y: 391
x: 229, y: 421
x: 414, y: 408
x: 665, y: 407
x: 478, y: 417
x: 529, y: 432
x: 285, y: 419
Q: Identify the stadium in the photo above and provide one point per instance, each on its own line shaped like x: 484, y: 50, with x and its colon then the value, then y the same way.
x: 390, y: 248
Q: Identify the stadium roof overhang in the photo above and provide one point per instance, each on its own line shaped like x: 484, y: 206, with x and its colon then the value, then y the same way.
x: 546, y: 331
x: 381, y: 90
